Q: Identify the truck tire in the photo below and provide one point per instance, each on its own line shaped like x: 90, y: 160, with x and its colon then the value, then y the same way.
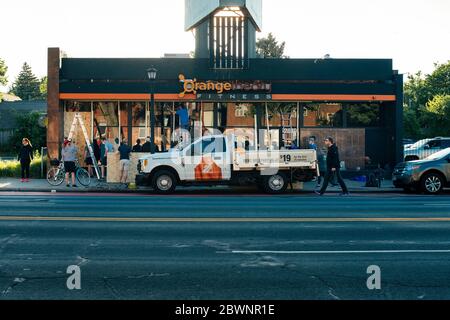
x: 432, y: 183
x: 275, y: 184
x: 164, y: 182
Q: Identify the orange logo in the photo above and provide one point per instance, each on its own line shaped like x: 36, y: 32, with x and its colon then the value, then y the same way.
x: 208, y: 170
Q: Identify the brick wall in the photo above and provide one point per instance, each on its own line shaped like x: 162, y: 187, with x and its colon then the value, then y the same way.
x: 54, y: 112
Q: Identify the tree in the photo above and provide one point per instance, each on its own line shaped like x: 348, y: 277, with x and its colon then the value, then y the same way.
x: 27, y: 85
x: 3, y: 70
x: 438, y: 117
x: 269, y: 47
x: 425, y: 112
x: 43, y: 87
x: 28, y: 127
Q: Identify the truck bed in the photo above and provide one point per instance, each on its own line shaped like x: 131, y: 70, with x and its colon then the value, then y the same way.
x: 282, y: 159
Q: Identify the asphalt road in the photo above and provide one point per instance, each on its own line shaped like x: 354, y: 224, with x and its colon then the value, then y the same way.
x: 224, y: 246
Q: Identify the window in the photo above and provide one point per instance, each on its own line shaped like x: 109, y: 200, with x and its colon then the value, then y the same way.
x: 106, y: 120
x: 363, y: 115
x: 435, y: 144
x: 209, y: 146
x: 133, y: 116
x: 323, y: 115
x: 445, y: 144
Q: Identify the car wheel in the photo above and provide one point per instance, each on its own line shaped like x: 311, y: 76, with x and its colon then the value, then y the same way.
x: 164, y: 182
x: 432, y: 183
x: 275, y: 184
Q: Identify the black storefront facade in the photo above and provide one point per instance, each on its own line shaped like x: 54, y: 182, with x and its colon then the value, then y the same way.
x: 359, y: 102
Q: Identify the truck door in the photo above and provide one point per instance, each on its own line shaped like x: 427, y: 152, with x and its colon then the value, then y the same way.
x: 207, y: 160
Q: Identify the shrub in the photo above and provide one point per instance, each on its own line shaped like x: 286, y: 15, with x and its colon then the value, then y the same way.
x: 11, y: 169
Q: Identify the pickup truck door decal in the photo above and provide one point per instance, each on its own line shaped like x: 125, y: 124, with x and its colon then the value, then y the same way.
x: 207, y: 170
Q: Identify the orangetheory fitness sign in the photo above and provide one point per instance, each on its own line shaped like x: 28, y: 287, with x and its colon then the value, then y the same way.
x: 194, y: 86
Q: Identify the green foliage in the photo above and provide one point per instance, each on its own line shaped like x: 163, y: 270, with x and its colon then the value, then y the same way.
x: 27, y: 85
x: 411, y: 125
x: 43, y: 88
x: 3, y: 70
x: 11, y: 169
x: 270, y: 48
x: 427, y: 100
x: 28, y: 127
x: 363, y: 115
x: 438, y: 115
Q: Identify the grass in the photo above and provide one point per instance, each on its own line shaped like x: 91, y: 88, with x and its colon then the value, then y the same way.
x: 11, y: 169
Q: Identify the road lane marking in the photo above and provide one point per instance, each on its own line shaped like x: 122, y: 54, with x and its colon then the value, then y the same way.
x: 212, y: 219
x: 338, y: 251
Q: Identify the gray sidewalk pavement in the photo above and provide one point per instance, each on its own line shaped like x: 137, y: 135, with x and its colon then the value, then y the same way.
x: 41, y: 185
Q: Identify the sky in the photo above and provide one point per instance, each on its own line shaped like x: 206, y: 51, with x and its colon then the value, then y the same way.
x: 414, y: 33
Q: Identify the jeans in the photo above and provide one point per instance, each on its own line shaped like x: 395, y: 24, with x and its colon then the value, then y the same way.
x: 328, y: 176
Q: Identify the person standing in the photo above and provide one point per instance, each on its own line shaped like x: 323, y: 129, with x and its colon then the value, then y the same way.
x: 333, y: 168
x: 103, y: 157
x: 88, y: 160
x: 69, y: 156
x: 137, y: 147
x: 25, y: 157
x: 147, y: 146
x: 124, y: 151
x: 183, y: 115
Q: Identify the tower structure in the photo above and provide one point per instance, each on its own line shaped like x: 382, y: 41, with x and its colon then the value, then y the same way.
x: 225, y: 30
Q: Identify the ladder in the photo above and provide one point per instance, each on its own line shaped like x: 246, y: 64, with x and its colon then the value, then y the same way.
x: 78, y: 118
x: 287, y: 128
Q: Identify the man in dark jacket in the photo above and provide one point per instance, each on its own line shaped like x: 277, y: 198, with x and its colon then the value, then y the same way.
x: 333, y: 167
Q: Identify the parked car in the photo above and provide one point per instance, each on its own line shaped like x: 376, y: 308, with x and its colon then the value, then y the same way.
x: 430, y: 175
x: 426, y: 147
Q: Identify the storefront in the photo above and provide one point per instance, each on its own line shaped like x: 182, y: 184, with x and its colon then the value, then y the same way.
x: 356, y: 101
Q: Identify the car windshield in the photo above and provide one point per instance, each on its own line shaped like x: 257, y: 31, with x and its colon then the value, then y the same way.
x: 419, y: 144
x: 439, y: 155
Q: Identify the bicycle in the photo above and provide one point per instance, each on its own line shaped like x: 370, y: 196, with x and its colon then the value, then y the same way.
x: 57, y: 175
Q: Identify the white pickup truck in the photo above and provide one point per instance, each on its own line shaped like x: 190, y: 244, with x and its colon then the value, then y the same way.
x: 215, y: 160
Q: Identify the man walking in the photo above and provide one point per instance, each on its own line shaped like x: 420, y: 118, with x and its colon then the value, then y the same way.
x: 333, y: 168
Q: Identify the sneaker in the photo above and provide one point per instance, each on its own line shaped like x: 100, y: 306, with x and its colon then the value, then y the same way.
x: 68, y: 185
x: 344, y: 194
x: 27, y: 180
x: 74, y: 186
x: 318, y: 193
x: 22, y: 180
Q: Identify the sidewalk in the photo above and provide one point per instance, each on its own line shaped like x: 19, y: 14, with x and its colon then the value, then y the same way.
x: 41, y: 185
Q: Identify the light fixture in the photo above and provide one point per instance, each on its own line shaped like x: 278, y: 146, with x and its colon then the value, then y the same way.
x: 151, y: 73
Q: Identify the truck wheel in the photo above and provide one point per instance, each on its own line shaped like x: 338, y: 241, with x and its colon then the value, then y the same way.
x: 432, y: 183
x: 275, y: 184
x: 164, y: 182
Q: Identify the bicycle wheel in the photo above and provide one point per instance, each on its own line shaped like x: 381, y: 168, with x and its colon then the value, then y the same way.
x: 55, y: 176
x: 83, y: 177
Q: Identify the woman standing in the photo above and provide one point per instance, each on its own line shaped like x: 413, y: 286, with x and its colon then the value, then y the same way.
x: 25, y: 156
